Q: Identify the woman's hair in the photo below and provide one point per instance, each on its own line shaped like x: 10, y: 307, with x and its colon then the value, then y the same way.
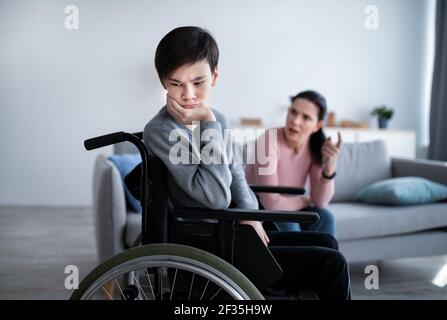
x: 185, y: 45
x: 317, y: 139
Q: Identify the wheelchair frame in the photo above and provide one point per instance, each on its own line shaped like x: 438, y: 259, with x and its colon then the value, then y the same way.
x: 157, y: 218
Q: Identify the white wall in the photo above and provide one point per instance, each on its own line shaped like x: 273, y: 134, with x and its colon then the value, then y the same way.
x: 58, y: 87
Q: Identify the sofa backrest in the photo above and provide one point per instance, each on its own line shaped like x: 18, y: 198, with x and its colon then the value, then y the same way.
x: 359, y: 165
x: 124, y: 147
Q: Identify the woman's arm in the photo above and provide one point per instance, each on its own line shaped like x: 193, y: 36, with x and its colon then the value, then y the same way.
x: 322, y: 190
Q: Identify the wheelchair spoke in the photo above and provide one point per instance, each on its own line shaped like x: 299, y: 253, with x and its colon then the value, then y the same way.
x: 111, y: 298
x: 173, y: 284
x: 161, y: 283
x: 215, y: 295
x: 204, y: 290
x: 139, y: 287
x: 150, y: 284
x: 190, y: 288
x: 122, y: 295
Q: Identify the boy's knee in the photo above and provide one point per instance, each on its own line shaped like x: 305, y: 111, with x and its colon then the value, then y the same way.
x: 343, y: 263
x: 329, y: 241
x: 325, y: 214
x: 327, y: 221
x: 338, y: 262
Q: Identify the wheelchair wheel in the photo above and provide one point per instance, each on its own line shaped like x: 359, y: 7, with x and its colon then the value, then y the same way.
x: 166, y: 272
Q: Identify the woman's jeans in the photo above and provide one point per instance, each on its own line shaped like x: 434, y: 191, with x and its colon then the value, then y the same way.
x: 326, y: 223
x: 311, y: 260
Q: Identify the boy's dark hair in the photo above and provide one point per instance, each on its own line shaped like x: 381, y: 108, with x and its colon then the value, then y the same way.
x: 318, y: 138
x: 185, y: 45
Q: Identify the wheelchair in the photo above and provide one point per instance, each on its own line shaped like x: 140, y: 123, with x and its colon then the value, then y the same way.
x: 187, y: 253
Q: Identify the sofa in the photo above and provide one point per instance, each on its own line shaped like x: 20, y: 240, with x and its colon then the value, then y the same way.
x: 377, y: 232
x: 365, y: 232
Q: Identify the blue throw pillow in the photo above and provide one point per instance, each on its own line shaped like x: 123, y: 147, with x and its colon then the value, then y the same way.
x: 125, y: 164
x: 403, y: 191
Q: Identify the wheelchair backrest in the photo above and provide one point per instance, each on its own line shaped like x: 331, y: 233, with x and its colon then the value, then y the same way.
x: 155, y: 199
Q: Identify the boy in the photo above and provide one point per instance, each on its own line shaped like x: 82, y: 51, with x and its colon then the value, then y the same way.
x: 186, y: 60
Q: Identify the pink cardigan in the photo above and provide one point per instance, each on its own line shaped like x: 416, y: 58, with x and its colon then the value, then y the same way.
x: 292, y: 169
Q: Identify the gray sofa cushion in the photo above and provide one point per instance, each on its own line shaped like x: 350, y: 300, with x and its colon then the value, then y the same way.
x: 109, y: 207
x: 360, y: 221
x: 359, y: 165
x: 133, y: 228
x: 425, y: 243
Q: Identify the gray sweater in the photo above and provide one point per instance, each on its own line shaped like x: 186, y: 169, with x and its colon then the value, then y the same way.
x: 200, y: 182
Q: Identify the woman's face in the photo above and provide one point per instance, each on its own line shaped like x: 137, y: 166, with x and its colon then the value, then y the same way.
x: 302, y: 121
x: 190, y: 85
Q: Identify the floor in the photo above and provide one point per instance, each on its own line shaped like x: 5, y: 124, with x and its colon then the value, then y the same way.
x: 38, y: 243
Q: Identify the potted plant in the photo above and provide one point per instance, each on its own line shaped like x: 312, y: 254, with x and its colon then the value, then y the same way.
x: 384, y: 114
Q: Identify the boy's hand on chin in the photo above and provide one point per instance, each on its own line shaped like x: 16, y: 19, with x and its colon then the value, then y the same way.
x: 187, y: 116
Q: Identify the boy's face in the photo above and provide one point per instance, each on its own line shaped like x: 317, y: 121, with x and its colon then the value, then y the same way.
x: 190, y: 85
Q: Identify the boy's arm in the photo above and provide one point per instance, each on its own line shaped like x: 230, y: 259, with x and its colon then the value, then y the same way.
x: 241, y: 195
x: 206, y: 182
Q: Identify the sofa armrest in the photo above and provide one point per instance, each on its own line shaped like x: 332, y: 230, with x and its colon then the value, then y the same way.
x: 109, y: 208
x: 432, y: 170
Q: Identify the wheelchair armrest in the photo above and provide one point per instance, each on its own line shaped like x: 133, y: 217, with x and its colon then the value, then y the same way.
x: 275, y: 189
x: 241, y: 214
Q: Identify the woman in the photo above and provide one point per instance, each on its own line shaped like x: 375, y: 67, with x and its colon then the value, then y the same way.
x: 301, y: 151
